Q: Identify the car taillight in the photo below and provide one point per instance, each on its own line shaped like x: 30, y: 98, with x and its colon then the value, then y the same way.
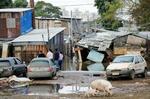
x: 50, y: 69
x: 29, y: 69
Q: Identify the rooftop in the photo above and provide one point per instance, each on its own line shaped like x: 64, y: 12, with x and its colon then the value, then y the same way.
x: 37, y: 36
x: 15, y: 9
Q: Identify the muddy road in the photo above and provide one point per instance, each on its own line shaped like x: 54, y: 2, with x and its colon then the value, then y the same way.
x: 68, y: 88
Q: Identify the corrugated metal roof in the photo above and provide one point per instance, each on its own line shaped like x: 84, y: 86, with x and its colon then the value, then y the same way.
x: 100, y: 40
x: 38, y: 35
x: 144, y: 34
x: 15, y: 9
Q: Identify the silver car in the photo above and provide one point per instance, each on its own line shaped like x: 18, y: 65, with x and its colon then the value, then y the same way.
x: 127, y: 66
x: 41, y: 67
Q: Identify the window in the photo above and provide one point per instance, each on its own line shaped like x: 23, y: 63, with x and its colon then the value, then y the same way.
x: 18, y: 61
x: 4, y: 63
x: 140, y: 59
x: 136, y: 60
x: 123, y: 59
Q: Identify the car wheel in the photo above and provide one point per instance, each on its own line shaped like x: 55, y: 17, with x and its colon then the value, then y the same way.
x: 132, y: 75
x: 109, y: 78
x: 144, y: 74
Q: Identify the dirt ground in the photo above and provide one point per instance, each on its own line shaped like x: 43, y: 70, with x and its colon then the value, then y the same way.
x: 139, y: 88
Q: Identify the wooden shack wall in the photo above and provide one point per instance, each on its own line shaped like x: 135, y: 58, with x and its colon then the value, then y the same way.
x: 129, y: 44
x: 27, y: 53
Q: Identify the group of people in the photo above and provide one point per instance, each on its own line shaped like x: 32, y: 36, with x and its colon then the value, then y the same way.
x: 57, y: 57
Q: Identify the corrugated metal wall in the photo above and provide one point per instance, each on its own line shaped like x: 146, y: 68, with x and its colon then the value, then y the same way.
x: 3, y: 30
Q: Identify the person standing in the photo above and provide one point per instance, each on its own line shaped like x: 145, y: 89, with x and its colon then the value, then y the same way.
x: 50, y: 54
x: 56, y: 58
x: 41, y: 54
x: 60, y: 60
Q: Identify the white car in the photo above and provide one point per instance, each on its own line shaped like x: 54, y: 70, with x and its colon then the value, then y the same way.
x: 127, y: 66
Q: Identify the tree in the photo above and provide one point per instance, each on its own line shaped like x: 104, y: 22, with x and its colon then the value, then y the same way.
x: 47, y: 10
x: 5, y: 3
x: 141, y: 14
x: 107, y: 10
x: 20, y: 3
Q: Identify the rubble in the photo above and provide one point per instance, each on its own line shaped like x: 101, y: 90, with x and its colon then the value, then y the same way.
x: 14, y: 81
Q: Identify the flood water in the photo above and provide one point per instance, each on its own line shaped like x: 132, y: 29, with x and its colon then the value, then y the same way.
x: 68, y: 64
x: 56, y: 89
x: 31, y: 90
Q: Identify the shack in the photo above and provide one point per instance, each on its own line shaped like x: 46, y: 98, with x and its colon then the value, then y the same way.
x: 111, y: 44
x: 27, y: 46
x: 72, y: 28
x: 15, y: 22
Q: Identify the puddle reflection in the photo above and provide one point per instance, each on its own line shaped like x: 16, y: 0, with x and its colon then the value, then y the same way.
x: 45, y: 90
x: 31, y: 90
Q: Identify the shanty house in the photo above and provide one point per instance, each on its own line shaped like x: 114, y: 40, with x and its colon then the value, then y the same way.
x: 15, y: 22
x: 27, y: 46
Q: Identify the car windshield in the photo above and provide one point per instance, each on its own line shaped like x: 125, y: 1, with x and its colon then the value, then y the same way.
x: 39, y: 63
x: 123, y: 59
x: 4, y: 63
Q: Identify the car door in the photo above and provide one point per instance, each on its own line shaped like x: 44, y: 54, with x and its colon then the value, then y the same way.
x: 19, y: 67
x: 142, y: 64
x: 136, y: 65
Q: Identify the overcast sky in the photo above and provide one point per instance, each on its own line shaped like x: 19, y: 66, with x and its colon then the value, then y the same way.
x: 75, y: 4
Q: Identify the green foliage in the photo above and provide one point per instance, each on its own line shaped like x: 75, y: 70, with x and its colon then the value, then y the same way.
x: 141, y: 14
x: 102, y: 5
x: 47, y: 10
x: 107, y: 9
x: 5, y: 3
x: 20, y: 3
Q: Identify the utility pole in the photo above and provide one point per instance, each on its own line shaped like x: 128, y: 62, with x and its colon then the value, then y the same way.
x: 71, y: 36
x: 33, y: 13
x: 48, y: 35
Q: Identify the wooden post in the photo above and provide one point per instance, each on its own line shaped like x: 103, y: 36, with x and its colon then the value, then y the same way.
x: 79, y: 53
x: 5, y: 50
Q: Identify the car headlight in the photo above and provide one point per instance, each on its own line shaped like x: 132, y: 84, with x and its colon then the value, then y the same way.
x: 108, y: 70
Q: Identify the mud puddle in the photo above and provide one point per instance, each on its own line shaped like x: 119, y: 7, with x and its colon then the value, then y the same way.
x: 31, y: 90
x: 57, y: 89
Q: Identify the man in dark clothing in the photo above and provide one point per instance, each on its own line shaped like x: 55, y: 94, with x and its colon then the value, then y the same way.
x: 56, y: 54
x: 56, y: 58
x: 41, y: 54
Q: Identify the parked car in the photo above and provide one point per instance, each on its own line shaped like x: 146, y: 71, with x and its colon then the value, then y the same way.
x: 127, y: 66
x: 41, y: 67
x: 12, y: 66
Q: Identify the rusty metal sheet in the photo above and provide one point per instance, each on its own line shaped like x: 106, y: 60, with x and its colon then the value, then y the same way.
x: 3, y: 29
x: 16, y: 15
x: 12, y: 33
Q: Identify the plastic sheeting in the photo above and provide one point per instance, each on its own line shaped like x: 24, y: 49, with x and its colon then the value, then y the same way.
x: 95, y: 56
x: 26, y: 22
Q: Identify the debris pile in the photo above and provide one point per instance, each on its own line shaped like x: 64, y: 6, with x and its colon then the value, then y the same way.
x: 14, y: 81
